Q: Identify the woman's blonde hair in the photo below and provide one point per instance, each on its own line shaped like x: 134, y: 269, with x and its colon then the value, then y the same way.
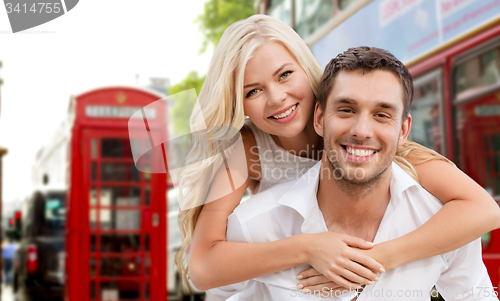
x: 221, y: 104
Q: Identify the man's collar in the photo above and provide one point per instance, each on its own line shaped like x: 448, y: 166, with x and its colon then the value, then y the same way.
x: 302, y: 195
x: 400, y: 182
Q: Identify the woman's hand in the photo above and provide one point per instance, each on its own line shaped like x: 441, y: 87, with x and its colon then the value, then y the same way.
x: 333, y: 255
x: 315, y: 283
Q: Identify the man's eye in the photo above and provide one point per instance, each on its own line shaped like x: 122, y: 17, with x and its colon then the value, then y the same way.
x: 345, y: 110
x: 382, y: 115
x: 285, y: 74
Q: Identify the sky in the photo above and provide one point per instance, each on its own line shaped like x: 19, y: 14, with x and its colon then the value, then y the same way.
x: 97, y: 43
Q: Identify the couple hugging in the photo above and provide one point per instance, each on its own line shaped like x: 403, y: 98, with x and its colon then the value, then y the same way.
x: 378, y: 217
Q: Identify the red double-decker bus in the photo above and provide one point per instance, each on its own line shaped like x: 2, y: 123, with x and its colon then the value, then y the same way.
x: 116, y: 232
x: 452, y: 50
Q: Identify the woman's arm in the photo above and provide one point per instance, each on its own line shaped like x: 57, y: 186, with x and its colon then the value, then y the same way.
x: 468, y: 212
x: 215, y: 262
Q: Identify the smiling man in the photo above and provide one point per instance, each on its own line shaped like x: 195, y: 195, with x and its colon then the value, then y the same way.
x: 362, y: 113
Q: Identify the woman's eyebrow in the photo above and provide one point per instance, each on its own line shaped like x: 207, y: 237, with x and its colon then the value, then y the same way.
x: 250, y: 85
x: 281, y: 68
x: 274, y: 74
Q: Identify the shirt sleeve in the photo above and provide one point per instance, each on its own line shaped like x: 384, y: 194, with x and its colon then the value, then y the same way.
x: 466, y: 277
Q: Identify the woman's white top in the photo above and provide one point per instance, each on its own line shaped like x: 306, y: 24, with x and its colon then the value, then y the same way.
x: 276, y: 164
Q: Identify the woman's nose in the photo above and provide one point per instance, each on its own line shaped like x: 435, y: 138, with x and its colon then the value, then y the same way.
x: 277, y: 94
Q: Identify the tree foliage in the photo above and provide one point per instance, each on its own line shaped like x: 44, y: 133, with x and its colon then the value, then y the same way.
x: 184, y: 106
x: 218, y: 15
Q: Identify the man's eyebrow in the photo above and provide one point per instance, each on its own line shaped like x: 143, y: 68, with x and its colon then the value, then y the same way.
x: 274, y: 74
x: 387, y: 105
x: 345, y: 100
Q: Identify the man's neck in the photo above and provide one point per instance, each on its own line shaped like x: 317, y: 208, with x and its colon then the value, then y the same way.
x: 354, y: 209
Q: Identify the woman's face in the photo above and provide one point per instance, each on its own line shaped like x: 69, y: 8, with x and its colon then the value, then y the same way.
x: 277, y: 94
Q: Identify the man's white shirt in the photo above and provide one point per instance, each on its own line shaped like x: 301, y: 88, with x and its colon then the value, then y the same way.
x: 292, y: 208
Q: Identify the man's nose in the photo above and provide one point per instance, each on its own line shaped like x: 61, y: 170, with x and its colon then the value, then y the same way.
x: 277, y: 94
x: 362, y: 127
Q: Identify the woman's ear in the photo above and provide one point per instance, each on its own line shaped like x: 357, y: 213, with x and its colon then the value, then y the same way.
x: 318, y: 119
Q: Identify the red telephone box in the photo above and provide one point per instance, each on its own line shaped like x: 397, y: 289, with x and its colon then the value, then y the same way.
x: 116, y: 228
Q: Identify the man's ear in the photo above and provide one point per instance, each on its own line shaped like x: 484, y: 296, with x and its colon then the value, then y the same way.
x: 318, y: 120
x: 405, y: 131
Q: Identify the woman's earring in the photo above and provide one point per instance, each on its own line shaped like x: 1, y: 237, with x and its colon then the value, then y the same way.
x: 247, y: 117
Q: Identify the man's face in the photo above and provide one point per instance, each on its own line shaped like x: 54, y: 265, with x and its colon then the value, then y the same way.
x: 362, y: 124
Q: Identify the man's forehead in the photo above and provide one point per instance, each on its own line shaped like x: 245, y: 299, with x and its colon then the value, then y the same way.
x: 374, y: 87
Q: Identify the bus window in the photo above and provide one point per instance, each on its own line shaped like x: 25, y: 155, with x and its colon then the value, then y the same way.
x: 426, y: 127
x: 55, y: 213
x: 477, y: 72
x: 281, y: 9
x: 310, y: 16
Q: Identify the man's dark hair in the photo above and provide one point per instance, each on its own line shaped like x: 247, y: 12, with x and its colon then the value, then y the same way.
x: 366, y: 59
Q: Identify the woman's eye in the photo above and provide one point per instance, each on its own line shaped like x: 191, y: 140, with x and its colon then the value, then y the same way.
x: 285, y: 74
x: 252, y: 92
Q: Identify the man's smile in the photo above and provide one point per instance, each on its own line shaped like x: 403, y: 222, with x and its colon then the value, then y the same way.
x: 358, y: 153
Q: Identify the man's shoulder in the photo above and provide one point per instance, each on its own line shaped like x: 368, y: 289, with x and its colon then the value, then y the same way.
x: 262, y: 202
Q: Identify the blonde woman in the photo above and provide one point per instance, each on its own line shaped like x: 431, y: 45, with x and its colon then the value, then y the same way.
x: 263, y: 69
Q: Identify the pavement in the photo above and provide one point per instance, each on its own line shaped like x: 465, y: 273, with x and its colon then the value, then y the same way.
x: 7, y: 294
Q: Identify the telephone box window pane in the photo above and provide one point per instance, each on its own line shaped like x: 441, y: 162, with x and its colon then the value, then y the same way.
x: 496, y: 142
x: 147, y: 196
x: 497, y: 163
x: 146, y: 290
x: 93, y: 197
x: 118, y: 243
x: 104, y: 218
x: 487, y: 143
x: 93, y: 148
x: 147, y: 145
x: 93, y: 272
x: 92, y: 290
x: 147, y: 173
x: 146, y: 243
x: 497, y: 185
x: 119, y: 172
x: 147, y: 266
x: 121, y: 196
x: 120, y: 219
x: 121, y: 266
x: 118, y: 147
x: 93, y: 171
x: 92, y: 218
x: 92, y: 243
x: 120, y: 290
